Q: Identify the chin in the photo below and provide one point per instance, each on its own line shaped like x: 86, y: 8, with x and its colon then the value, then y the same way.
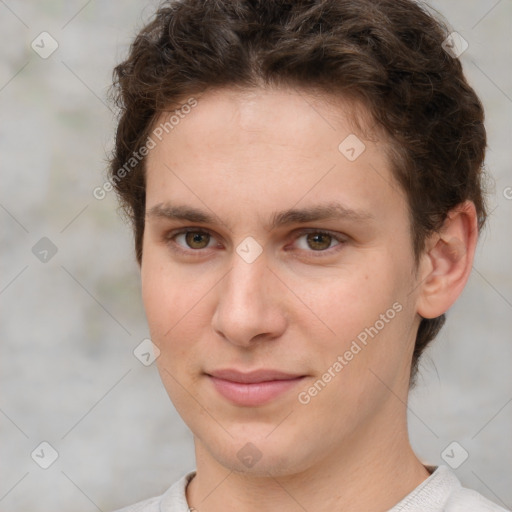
x: 255, y: 452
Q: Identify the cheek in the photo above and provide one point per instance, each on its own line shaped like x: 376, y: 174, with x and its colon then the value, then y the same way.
x: 364, y: 317
x: 161, y: 292
x: 169, y: 305
x: 358, y: 365
x: 174, y: 301
x: 346, y: 301
x: 165, y: 290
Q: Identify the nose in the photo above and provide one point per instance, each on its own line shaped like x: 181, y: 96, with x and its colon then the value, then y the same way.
x: 251, y: 305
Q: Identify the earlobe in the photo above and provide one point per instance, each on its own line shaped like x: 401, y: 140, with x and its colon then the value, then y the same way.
x: 448, y: 260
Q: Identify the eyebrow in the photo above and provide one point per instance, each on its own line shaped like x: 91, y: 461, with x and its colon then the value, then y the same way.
x: 329, y: 211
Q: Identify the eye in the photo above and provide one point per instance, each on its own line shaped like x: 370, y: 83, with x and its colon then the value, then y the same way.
x: 319, y: 241
x: 191, y: 240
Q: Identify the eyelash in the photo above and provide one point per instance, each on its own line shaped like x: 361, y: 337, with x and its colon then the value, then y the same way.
x: 198, y: 252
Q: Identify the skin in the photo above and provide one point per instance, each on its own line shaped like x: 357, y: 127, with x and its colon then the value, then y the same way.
x: 241, y: 156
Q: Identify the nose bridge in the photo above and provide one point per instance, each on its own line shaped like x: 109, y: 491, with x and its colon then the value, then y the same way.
x: 246, y: 306
x: 245, y: 284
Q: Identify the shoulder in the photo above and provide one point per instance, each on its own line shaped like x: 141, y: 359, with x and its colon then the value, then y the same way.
x: 443, y: 492
x: 463, y: 499
x: 173, y: 499
x: 149, y: 505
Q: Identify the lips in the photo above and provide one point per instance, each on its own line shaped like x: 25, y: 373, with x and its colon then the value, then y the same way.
x: 253, y: 388
x: 253, y: 377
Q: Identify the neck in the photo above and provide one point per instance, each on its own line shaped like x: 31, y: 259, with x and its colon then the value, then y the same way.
x: 370, y: 472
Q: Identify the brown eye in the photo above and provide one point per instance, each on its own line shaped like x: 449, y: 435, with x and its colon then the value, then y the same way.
x: 194, y: 243
x: 319, y: 241
x: 197, y: 239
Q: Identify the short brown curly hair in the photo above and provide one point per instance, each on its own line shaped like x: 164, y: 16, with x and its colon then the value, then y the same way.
x: 387, y: 54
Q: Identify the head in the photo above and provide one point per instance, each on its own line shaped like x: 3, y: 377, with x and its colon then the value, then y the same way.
x: 244, y: 109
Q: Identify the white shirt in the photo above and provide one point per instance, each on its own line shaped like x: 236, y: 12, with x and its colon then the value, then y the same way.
x: 440, y: 492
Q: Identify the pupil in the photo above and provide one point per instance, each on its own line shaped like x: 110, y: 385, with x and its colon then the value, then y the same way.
x: 195, y: 238
x: 317, y: 239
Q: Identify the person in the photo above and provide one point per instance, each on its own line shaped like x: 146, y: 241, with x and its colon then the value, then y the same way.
x: 305, y: 183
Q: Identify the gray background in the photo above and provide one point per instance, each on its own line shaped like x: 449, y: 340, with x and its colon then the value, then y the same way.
x: 69, y: 326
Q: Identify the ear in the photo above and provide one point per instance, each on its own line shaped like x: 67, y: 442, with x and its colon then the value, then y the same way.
x: 447, y: 261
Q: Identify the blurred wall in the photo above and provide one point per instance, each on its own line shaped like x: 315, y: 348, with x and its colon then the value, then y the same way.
x: 69, y: 286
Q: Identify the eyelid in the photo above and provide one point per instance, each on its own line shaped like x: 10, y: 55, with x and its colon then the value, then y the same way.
x: 339, y: 237
x: 169, y: 239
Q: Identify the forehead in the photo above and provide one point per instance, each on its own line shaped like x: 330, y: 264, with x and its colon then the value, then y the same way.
x: 243, y: 149
x: 269, y: 115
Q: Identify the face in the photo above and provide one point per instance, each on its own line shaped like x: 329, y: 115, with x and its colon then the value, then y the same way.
x: 278, y: 279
